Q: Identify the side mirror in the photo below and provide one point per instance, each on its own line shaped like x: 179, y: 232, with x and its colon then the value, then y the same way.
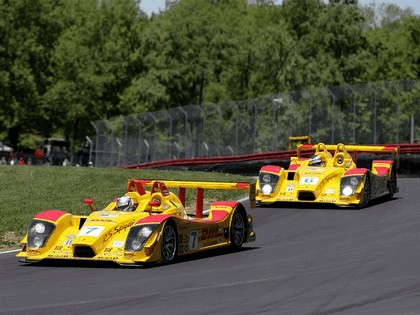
x: 154, y: 203
x: 89, y: 202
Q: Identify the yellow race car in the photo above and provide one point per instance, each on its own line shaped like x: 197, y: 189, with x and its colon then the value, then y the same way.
x: 143, y: 226
x: 329, y: 174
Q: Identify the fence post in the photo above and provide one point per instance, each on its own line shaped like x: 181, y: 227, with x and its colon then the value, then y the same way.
x: 354, y: 113
x: 374, y: 113
x: 97, y: 142
x: 333, y: 118
x: 277, y: 102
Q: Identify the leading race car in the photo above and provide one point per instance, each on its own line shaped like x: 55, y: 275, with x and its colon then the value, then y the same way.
x: 330, y: 175
x: 143, y: 226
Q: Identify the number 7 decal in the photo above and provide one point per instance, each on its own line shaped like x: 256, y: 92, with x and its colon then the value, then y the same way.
x: 193, y: 243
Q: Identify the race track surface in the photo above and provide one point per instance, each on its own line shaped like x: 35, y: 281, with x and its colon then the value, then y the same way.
x: 305, y: 261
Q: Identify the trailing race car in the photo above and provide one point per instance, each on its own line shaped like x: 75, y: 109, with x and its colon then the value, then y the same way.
x: 142, y: 226
x: 329, y: 178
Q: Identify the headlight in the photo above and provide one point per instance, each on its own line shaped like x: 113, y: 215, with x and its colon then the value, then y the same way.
x: 137, y: 244
x: 267, y: 189
x: 354, y: 181
x: 347, y: 191
x: 138, y: 236
x: 39, y: 232
x: 38, y: 241
x: 349, y: 185
x: 145, y: 231
x: 39, y: 228
x: 268, y: 182
x: 266, y: 178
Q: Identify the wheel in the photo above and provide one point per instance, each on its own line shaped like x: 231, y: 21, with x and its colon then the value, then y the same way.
x: 392, y: 185
x: 169, y: 243
x: 366, y: 192
x: 237, y: 230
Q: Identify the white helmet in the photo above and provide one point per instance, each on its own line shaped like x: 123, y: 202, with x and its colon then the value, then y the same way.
x: 315, y: 160
x: 125, y: 203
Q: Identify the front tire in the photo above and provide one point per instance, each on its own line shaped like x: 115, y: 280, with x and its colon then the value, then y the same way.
x: 169, y: 243
x: 366, y: 192
x: 392, y: 185
x: 237, y: 230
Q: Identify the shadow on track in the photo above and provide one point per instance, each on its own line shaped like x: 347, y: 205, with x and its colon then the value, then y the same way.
x: 58, y: 263
x: 323, y: 206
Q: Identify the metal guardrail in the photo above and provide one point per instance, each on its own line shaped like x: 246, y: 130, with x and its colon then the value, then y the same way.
x: 373, y: 113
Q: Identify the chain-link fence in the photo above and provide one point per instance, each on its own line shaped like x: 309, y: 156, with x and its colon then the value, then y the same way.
x: 373, y: 113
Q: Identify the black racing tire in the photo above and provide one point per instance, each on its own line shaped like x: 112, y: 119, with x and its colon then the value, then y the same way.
x: 392, y: 185
x: 366, y: 192
x: 169, y: 243
x: 238, y: 229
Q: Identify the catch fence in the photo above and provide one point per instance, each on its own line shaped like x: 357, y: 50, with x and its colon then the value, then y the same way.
x: 373, y: 113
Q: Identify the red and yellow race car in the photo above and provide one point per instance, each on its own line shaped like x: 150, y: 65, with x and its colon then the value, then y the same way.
x: 329, y: 175
x: 143, y: 226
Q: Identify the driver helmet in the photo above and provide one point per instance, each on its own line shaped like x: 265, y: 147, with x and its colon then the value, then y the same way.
x: 125, y: 203
x: 315, y: 160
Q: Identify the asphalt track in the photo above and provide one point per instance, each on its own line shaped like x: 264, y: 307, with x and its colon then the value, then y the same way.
x: 305, y: 261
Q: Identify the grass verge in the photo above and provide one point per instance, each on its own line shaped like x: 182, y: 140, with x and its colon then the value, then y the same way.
x: 27, y: 190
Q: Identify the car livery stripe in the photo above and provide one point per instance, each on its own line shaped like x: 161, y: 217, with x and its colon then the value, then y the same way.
x: 50, y: 215
x: 381, y: 170
x: 231, y: 204
x: 218, y: 215
x: 356, y: 171
x: 271, y: 168
x: 159, y: 218
x: 242, y: 185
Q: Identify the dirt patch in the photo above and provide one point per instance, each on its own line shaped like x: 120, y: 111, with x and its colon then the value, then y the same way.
x: 9, y: 241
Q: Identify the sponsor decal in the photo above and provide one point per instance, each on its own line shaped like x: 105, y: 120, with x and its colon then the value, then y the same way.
x: 211, y: 233
x: 117, y: 230
x: 118, y: 244
x: 108, y: 215
x: 290, y: 188
x: 67, y: 242
x: 58, y: 247
x: 94, y: 231
x: 71, y: 236
x: 327, y: 200
x: 309, y: 180
x: 329, y: 191
x: 285, y: 198
x: 109, y: 255
x: 59, y: 254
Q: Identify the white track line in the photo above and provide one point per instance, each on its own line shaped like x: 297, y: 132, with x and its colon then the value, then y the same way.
x: 10, y: 251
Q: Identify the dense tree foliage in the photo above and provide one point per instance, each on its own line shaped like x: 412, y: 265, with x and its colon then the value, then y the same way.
x: 64, y: 63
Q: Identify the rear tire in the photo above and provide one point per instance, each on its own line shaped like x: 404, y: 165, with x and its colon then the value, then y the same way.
x: 237, y: 229
x: 169, y: 243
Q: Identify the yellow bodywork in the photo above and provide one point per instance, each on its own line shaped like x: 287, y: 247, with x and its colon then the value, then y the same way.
x: 105, y: 235
x: 337, y: 180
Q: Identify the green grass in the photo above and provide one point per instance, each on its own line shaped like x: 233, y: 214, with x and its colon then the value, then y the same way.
x: 27, y: 190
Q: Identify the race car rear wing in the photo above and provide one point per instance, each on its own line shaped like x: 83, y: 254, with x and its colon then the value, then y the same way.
x: 373, y: 149
x: 139, y: 184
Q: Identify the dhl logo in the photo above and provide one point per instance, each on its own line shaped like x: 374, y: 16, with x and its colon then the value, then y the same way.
x: 210, y: 233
